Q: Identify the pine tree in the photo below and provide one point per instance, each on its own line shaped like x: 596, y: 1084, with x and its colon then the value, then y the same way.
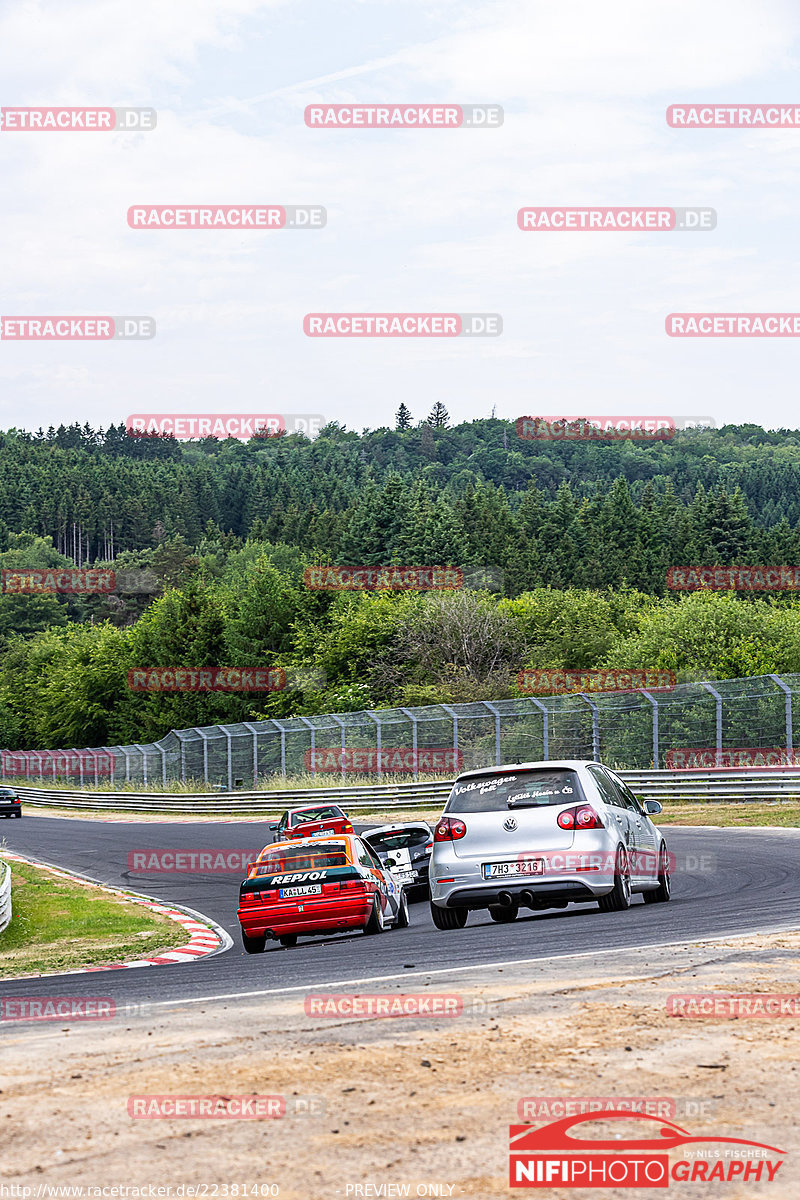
x: 438, y: 418
x: 402, y: 418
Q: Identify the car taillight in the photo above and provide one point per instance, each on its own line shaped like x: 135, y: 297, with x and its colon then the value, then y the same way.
x: 582, y: 817
x: 251, y: 898
x: 449, y: 829
x: 349, y: 885
x: 348, y: 827
x: 428, y: 846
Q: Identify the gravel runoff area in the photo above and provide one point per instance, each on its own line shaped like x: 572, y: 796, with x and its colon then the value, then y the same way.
x: 417, y: 1102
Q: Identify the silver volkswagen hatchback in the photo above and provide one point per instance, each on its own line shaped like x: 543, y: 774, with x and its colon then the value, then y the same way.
x: 544, y: 835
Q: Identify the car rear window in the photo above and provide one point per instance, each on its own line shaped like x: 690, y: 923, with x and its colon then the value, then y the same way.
x: 315, y: 814
x: 401, y: 840
x: 523, y: 789
x: 303, y: 858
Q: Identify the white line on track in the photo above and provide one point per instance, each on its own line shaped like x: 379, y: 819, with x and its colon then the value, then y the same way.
x: 493, y: 966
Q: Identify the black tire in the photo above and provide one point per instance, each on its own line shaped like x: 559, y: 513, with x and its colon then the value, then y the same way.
x: 403, y: 920
x: 619, y: 898
x: 448, y: 918
x: 18, y: 814
x: 503, y: 914
x: 661, y: 894
x: 254, y: 945
x: 376, y: 922
x: 289, y: 940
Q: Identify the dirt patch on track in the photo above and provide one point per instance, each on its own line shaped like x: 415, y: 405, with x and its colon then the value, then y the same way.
x: 411, y: 1101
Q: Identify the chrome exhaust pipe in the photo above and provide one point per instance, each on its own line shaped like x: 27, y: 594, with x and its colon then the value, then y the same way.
x: 506, y: 899
x: 527, y: 898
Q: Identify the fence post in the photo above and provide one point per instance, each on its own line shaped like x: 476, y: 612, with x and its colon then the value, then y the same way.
x: 492, y: 708
x: 595, y: 726
x: 143, y: 753
x: 179, y: 734
x: 313, y: 729
x: 230, y: 756
x: 718, y: 700
x: 789, y: 732
x: 340, y: 723
x: 454, y: 715
x: 163, y: 754
x: 372, y: 717
x: 204, y: 736
x: 654, y: 703
x: 545, y: 727
x: 254, y: 732
x: 408, y: 713
x: 113, y: 758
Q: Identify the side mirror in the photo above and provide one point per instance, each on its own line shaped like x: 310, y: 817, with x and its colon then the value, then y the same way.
x: 653, y: 808
x: 273, y: 827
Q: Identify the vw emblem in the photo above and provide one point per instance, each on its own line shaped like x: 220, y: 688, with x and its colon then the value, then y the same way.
x: 510, y: 824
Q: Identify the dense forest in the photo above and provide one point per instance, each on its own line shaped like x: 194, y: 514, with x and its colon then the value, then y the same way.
x: 579, y: 537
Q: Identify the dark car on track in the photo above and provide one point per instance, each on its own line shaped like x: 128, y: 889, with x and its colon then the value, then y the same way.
x: 315, y: 820
x: 406, y: 846
x: 10, y: 803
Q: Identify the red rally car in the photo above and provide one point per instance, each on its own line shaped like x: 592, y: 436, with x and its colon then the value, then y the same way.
x: 318, y: 886
x: 315, y: 820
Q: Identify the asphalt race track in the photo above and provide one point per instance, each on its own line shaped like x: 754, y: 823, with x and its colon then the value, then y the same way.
x: 726, y: 882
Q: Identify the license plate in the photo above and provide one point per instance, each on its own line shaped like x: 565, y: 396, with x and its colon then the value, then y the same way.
x: 529, y: 866
x: 322, y: 833
x: 313, y: 889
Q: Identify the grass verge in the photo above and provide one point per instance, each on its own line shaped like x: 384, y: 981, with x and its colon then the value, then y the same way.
x: 60, y: 926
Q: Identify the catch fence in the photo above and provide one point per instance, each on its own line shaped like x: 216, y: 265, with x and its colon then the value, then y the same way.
x: 732, y: 722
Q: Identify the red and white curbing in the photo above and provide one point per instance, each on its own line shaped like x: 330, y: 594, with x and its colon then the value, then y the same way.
x: 205, y: 936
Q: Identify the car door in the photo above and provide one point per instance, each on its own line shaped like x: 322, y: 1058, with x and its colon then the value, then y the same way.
x: 617, y: 808
x: 390, y: 888
x: 372, y: 865
x: 647, y: 836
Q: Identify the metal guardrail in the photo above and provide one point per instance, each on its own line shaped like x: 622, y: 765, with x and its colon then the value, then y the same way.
x: 5, y: 896
x: 710, y: 787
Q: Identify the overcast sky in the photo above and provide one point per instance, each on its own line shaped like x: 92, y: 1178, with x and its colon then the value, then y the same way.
x: 418, y: 220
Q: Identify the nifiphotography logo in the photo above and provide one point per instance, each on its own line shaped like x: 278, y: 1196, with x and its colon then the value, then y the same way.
x: 552, y: 1156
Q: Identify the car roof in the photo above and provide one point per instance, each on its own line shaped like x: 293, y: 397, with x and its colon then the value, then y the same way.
x: 299, y: 843
x: 570, y: 764
x: 396, y: 825
x: 313, y: 807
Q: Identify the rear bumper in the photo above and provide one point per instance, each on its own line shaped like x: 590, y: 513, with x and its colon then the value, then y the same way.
x: 543, y: 894
x: 310, y: 916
